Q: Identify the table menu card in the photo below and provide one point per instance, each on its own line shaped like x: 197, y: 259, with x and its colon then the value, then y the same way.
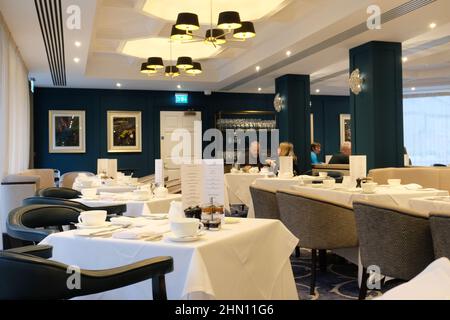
x: 358, y: 167
x: 202, y: 181
x: 286, y: 167
x: 108, y: 167
x: 159, y: 172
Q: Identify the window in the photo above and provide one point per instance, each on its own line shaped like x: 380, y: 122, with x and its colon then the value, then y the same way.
x: 427, y: 130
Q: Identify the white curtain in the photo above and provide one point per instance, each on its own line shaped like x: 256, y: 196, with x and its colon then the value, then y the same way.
x: 14, y: 107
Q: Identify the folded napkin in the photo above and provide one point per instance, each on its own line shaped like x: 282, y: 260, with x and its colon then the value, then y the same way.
x: 413, y: 186
x: 126, y: 221
x: 139, y: 233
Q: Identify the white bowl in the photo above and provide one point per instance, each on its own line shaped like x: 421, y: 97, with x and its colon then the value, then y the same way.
x: 323, y: 174
x: 369, y: 187
x: 394, y: 182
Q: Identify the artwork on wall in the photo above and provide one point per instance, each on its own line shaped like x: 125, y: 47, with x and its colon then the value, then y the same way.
x: 346, y: 129
x: 67, y: 131
x: 124, y: 131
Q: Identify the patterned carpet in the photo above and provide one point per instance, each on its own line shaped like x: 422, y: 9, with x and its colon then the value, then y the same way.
x: 338, y: 283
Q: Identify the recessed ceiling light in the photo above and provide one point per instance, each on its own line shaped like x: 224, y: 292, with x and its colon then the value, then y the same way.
x: 317, y: 90
x: 259, y: 89
x: 413, y: 89
x: 258, y: 68
x: 77, y: 44
x: 405, y: 59
x: 433, y: 25
x: 179, y: 86
x: 76, y: 60
x: 288, y: 53
x: 118, y: 85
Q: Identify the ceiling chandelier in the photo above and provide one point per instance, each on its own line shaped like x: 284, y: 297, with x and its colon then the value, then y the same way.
x: 229, y: 23
x: 154, y: 65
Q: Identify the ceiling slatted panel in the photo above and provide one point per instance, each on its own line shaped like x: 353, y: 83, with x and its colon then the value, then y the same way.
x: 390, y: 15
x: 49, y: 13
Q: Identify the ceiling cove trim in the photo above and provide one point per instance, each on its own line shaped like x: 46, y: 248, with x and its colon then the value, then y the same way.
x: 49, y: 13
x: 390, y: 15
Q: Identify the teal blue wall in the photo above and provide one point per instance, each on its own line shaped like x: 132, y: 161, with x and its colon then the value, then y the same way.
x: 97, y: 102
x: 327, y: 111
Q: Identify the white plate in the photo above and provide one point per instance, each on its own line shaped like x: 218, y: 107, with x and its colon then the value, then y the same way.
x: 154, y: 216
x: 172, y: 237
x: 81, y: 226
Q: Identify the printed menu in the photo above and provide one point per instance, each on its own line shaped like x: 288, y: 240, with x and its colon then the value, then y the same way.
x: 159, y: 172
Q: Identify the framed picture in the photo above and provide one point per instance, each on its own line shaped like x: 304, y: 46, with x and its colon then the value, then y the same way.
x: 124, y: 131
x: 67, y: 131
x: 346, y: 128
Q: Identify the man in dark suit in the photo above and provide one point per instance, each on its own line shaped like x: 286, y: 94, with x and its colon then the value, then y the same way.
x: 344, y: 156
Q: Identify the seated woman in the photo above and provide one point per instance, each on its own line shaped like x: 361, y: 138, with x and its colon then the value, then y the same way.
x: 286, y: 149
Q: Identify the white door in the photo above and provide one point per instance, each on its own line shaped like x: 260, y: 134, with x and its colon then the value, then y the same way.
x: 171, y: 121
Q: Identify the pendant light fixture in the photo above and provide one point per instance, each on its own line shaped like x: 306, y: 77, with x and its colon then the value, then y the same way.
x: 184, y: 63
x: 180, y: 35
x: 229, y: 23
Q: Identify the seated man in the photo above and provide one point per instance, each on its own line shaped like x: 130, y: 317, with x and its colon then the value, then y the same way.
x: 343, y: 156
x: 315, y: 151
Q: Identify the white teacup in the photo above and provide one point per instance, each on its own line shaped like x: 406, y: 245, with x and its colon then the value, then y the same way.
x: 369, y: 187
x: 323, y: 174
x: 329, y: 183
x: 92, y: 218
x: 161, y: 192
x: 188, y: 227
x: 89, y: 192
x: 394, y: 182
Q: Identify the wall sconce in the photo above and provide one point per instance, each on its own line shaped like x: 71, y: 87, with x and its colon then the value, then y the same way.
x: 278, y: 103
x: 356, y: 82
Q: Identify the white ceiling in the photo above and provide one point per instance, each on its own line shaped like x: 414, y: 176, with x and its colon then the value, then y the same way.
x: 111, y: 27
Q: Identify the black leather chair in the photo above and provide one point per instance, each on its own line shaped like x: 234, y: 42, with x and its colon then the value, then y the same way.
x: 61, y: 193
x: 114, y: 210
x: 26, y: 274
x: 34, y: 223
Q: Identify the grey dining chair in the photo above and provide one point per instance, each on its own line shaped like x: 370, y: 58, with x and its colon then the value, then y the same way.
x: 320, y: 225
x: 397, y: 241
x: 440, y: 232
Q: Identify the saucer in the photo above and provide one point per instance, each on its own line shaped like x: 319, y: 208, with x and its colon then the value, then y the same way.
x: 82, y: 226
x: 170, y: 236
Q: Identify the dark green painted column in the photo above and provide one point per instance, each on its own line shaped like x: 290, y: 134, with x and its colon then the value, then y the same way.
x: 377, y: 112
x: 294, y: 119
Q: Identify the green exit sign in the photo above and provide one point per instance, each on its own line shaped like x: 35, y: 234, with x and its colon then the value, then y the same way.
x: 181, y: 98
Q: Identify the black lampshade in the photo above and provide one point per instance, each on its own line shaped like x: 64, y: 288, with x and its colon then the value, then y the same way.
x: 172, y: 71
x: 216, y: 36
x: 179, y: 35
x: 229, y: 20
x: 187, y: 21
x: 155, y: 63
x: 247, y: 31
x: 196, y: 69
x: 146, y: 70
x: 184, y: 63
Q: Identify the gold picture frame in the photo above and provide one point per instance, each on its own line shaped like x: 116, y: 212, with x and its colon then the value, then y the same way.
x: 124, y: 131
x: 345, y: 127
x: 67, y: 131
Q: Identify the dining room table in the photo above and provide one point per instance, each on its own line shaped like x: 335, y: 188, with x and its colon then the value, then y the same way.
x: 425, y: 206
x: 239, y: 262
x: 134, y: 207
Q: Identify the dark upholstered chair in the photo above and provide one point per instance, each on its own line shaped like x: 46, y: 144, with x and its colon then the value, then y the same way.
x: 34, y: 223
x: 264, y: 203
x: 25, y: 274
x: 60, y: 193
x: 319, y: 225
x: 440, y: 232
x: 112, y: 210
x: 397, y: 241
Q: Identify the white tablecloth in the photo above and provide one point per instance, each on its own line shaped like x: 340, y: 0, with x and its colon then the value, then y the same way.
x: 431, y: 284
x: 433, y: 204
x: 137, y: 208
x: 397, y: 196
x: 238, y: 262
x: 237, y: 188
